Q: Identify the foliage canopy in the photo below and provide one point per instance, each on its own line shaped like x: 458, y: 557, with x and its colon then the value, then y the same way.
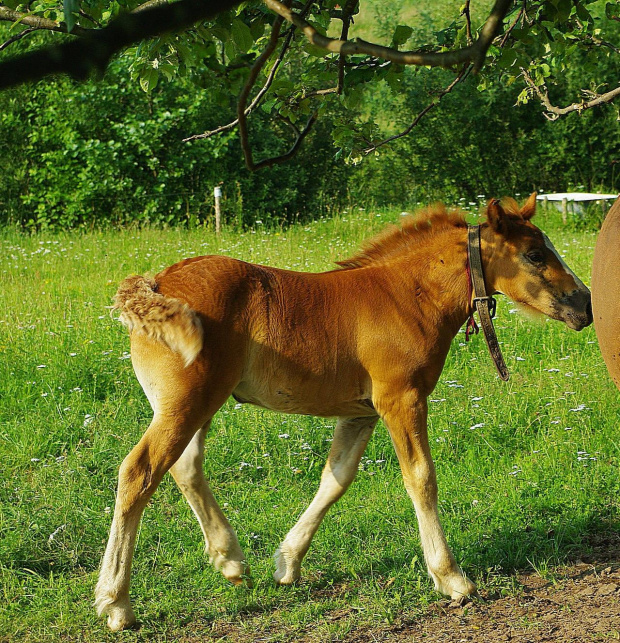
x: 156, y: 146
x: 297, y: 64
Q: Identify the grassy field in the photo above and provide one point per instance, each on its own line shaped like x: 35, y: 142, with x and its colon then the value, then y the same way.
x: 528, y: 470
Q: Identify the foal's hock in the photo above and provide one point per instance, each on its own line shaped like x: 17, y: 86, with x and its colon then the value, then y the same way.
x: 362, y: 342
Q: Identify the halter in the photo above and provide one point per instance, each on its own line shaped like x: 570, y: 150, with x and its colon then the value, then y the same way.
x: 483, y: 303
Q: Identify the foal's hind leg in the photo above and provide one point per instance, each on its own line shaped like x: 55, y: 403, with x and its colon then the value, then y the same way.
x: 139, y: 476
x: 221, y: 541
x: 350, y: 439
x: 183, y: 400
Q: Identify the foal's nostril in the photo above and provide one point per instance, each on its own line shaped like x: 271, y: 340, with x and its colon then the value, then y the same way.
x: 589, y: 312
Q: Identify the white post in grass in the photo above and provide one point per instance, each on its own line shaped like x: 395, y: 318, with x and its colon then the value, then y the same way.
x: 217, y: 193
x: 564, y: 210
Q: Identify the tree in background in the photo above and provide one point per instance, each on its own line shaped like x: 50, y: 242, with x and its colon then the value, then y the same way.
x: 295, y: 61
x: 217, y: 89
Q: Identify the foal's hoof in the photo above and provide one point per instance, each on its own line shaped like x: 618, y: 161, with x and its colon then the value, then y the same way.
x: 288, y: 568
x: 245, y: 580
x: 119, y: 612
x: 235, y: 571
x: 456, y: 585
x: 464, y: 591
x: 121, y: 619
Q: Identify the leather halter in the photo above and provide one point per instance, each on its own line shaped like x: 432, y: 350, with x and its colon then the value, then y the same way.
x: 483, y: 303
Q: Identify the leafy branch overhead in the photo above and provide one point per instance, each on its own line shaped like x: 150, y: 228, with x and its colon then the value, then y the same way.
x: 292, y: 61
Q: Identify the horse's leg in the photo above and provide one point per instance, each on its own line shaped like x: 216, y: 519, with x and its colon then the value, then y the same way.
x: 350, y: 439
x: 183, y: 401
x: 406, y: 419
x: 220, y: 539
x: 139, y: 476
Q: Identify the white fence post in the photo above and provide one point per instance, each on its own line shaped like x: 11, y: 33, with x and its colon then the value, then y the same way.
x: 217, y: 193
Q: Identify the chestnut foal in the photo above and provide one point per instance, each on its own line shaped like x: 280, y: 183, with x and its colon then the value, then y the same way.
x: 362, y: 342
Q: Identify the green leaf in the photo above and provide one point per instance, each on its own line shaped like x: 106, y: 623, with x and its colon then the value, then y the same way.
x: 167, y: 70
x: 229, y: 50
x: 148, y: 79
x: 402, y: 33
x: 313, y: 50
x: 583, y: 14
x: 523, y: 97
x: 352, y: 98
x: 564, y: 8
x: 241, y: 35
x: 70, y: 8
x: 507, y: 59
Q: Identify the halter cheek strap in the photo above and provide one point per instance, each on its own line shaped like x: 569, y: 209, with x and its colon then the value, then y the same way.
x: 483, y: 303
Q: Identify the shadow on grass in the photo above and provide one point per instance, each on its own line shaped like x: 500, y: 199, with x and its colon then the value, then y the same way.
x: 506, y: 551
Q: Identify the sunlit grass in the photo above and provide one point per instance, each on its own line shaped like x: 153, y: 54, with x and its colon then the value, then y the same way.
x: 527, y: 469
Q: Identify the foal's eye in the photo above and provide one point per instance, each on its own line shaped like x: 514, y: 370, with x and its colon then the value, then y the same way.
x: 535, y: 256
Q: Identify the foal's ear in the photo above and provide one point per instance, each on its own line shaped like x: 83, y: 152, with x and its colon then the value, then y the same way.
x: 529, y: 208
x: 496, y: 216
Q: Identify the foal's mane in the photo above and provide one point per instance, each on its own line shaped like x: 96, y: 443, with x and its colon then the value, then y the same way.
x: 413, y: 230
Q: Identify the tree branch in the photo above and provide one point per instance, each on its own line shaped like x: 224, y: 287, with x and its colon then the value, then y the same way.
x: 150, y: 4
x: 446, y: 90
x: 93, y: 51
x: 554, y: 112
x: 347, y: 11
x: 264, y: 89
x: 474, y: 53
x: 243, y: 98
x: 291, y: 153
x: 466, y: 13
x: 598, y: 42
x: 17, y: 37
x: 36, y: 22
x: 247, y: 88
x: 508, y: 31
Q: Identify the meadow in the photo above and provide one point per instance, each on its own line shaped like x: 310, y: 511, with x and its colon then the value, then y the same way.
x: 527, y: 470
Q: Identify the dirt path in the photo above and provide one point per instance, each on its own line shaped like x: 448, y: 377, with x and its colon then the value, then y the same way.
x: 578, y: 604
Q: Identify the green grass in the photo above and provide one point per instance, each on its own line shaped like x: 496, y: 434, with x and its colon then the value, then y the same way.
x: 528, y: 473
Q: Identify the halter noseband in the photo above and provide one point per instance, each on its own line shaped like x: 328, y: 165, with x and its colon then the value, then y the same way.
x: 483, y: 303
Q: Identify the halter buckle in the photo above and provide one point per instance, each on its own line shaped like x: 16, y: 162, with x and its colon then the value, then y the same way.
x: 492, y: 303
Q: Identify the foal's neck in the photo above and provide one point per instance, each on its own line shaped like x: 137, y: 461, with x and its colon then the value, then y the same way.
x: 439, y: 270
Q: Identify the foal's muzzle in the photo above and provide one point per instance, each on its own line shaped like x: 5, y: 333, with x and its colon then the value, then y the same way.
x: 576, y: 309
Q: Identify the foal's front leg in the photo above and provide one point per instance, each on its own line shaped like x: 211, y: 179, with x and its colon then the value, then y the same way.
x: 406, y: 419
x: 350, y: 438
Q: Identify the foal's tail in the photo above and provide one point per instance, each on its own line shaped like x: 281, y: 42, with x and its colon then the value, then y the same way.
x: 169, y: 320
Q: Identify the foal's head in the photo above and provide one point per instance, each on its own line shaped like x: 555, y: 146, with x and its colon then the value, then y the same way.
x: 522, y: 263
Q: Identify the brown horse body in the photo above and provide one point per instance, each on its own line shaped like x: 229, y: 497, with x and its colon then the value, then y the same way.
x: 606, y: 291
x: 364, y: 341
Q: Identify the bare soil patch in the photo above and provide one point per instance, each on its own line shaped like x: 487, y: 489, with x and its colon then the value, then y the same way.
x: 578, y: 604
x: 575, y: 603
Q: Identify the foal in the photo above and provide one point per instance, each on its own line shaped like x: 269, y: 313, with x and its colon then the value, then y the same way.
x: 362, y: 342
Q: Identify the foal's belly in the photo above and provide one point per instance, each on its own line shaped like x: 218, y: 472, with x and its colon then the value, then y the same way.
x: 285, y: 400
